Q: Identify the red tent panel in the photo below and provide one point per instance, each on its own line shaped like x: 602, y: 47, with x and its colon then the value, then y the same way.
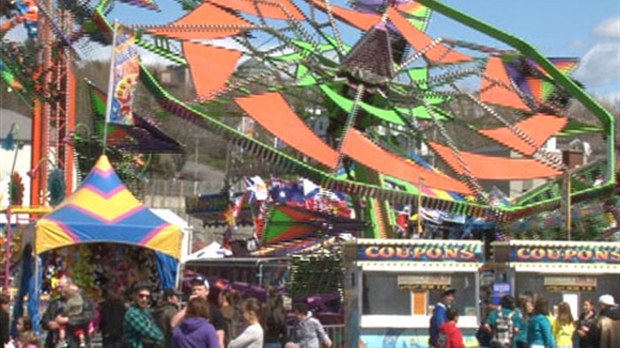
x: 495, y: 168
x: 205, y: 14
x: 438, y: 53
x: 363, y: 150
x: 210, y: 66
x: 538, y: 128
x: 271, y: 111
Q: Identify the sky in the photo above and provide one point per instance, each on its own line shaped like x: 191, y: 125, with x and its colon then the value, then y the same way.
x: 586, y: 29
x: 589, y: 30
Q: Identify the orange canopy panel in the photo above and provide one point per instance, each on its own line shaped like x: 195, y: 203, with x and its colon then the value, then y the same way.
x: 438, y: 53
x: 497, y: 88
x: 538, y: 128
x: 204, y: 15
x: 210, y: 66
x: 274, y: 9
x: 362, y: 21
x: 495, y: 168
x: 364, y: 151
x: 271, y: 111
x: 409, y: 7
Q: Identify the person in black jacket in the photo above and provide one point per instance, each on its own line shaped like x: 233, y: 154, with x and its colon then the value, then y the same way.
x: 4, y: 320
x: 275, y: 322
x: 111, y: 322
x: 52, y: 319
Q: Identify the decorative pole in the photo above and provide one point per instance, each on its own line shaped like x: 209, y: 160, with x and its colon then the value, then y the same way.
x: 108, y: 108
x: 569, y: 214
x: 421, y: 188
x: 7, y: 266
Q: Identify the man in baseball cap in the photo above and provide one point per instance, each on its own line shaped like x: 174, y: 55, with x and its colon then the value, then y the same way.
x: 200, y: 288
x: 608, y: 325
x: 439, y: 313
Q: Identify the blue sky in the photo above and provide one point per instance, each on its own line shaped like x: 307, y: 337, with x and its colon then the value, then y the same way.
x: 586, y: 29
x: 574, y: 28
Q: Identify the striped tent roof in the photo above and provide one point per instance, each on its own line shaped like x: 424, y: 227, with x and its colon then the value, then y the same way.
x: 103, y: 210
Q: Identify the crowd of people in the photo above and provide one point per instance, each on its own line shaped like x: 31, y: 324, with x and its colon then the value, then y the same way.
x: 529, y: 323
x: 72, y: 320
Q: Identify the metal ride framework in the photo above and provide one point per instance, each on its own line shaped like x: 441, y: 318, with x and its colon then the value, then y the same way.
x: 395, y: 82
x: 49, y: 88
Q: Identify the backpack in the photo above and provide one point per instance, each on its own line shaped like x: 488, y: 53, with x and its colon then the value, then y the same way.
x: 503, y: 330
x: 441, y: 341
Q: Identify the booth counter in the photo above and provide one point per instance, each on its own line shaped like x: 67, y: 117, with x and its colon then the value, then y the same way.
x: 392, y: 286
x: 558, y: 270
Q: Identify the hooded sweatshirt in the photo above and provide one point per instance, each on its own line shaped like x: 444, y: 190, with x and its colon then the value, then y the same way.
x: 195, y: 332
x: 454, y: 335
x: 539, y: 331
x: 310, y: 333
x: 609, y: 327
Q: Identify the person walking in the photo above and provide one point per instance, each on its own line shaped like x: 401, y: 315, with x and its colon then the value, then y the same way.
x: 5, y: 337
x: 275, y: 322
x: 308, y: 331
x: 526, y: 309
x: 195, y: 330
x: 141, y: 330
x: 453, y: 337
x: 539, y: 333
x: 252, y: 336
x: 439, y: 314
x: 112, y: 311
x: 586, y: 327
x: 505, y: 323
x: 165, y: 311
x: 200, y: 288
x: 608, y: 324
x: 564, y: 326
x: 230, y: 306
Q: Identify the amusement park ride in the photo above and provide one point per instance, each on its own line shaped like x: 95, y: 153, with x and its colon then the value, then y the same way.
x: 389, y: 99
x: 357, y: 98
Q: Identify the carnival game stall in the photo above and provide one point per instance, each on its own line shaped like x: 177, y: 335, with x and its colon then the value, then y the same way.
x: 558, y: 270
x: 100, y: 235
x: 391, y: 287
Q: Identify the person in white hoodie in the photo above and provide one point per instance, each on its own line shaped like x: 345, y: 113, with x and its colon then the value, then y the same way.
x: 252, y: 336
x: 308, y: 331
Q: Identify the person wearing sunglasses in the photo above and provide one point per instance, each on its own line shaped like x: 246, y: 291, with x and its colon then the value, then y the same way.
x: 141, y: 330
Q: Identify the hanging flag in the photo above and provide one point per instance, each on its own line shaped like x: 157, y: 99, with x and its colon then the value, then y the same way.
x: 124, y: 72
x: 257, y: 188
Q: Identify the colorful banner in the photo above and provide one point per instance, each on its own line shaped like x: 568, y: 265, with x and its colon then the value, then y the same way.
x: 405, y: 338
x: 126, y: 71
x: 609, y: 254
x: 421, y: 252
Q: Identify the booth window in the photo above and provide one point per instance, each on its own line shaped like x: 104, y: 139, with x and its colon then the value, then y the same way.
x: 389, y: 294
x: 381, y: 295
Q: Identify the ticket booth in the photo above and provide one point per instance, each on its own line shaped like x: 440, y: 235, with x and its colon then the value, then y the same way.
x: 560, y: 271
x: 392, y: 286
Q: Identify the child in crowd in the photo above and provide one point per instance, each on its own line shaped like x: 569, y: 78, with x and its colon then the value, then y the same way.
x: 563, y: 326
x: 28, y: 339
x: 453, y: 335
x: 74, y: 306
